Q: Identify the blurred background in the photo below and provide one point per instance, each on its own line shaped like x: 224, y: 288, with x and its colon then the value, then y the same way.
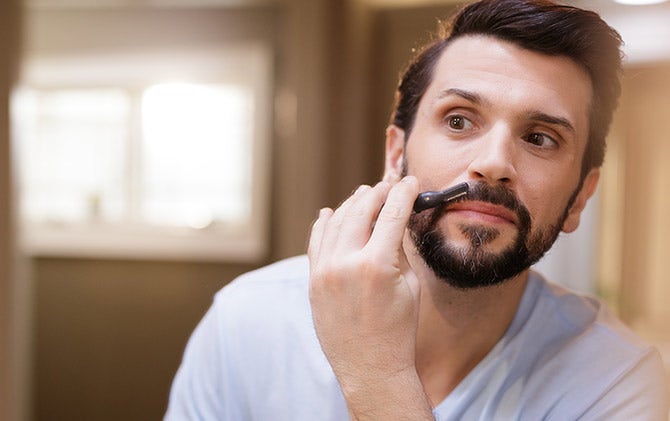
x: 152, y: 150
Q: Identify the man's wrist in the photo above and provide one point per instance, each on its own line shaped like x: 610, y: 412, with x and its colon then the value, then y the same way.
x: 395, y: 396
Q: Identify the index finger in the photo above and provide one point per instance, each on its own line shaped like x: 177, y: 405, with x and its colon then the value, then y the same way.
x: 394, y: 215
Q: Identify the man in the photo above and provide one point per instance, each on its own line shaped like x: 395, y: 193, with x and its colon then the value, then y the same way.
x: 436, y: 315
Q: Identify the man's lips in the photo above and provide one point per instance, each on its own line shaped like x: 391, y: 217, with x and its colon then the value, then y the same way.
x: 484, y: 211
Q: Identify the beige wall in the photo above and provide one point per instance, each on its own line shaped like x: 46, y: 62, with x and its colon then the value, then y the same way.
x: 634, y: 228
x: 110, y: 334
x: 10, y: 395
x: 645, y: 140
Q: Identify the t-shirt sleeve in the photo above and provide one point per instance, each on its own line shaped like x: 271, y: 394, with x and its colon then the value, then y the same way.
x: 640, y: 393
x: 197, y: 389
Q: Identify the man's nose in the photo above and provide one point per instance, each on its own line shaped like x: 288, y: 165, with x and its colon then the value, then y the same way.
x: 494, y: 158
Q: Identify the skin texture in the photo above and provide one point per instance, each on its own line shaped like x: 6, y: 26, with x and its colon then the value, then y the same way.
x: 387, y: 324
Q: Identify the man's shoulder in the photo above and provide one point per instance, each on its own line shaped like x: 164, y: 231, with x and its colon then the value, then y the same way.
x: 287, y: 273
x: 576, y: 356
x: 585, y: 317
x: 279, y: 287
x: 582, y: 340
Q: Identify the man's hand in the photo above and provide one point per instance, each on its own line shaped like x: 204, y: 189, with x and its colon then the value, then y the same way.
x: 365, y: 300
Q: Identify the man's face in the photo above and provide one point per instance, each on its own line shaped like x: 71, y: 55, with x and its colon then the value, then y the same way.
x: 514, y: 125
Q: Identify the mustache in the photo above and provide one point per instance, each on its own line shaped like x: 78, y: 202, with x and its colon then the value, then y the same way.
x: 496, y: 195
x: 483, y: 192
x: 499, y: 195
x: 502, y: 196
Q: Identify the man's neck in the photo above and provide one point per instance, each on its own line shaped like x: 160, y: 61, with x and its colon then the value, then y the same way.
x: 458, y: 328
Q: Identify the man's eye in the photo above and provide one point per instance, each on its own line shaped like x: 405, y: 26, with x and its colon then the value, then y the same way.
x: 458, y: 122
x: 542, y: 140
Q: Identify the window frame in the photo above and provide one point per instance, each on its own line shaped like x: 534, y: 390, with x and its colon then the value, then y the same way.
x: 247, y: 63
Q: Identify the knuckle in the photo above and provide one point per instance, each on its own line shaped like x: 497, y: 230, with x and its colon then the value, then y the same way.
x: 327, y: 275
x: 356, y: 212
x: 373, y: 267
x: 392, y: 212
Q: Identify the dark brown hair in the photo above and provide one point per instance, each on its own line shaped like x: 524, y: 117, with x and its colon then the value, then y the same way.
x: 535, y: 25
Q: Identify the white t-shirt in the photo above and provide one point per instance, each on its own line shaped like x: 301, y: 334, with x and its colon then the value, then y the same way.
x: 255, y: 356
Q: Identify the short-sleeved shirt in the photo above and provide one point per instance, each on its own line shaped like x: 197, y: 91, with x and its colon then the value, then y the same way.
x: 255, y: 356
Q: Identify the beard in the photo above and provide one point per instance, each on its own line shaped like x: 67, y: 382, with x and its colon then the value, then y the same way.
x: 474, y: 266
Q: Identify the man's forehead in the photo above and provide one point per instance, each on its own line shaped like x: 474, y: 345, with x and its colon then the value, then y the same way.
x: 483, y: 53
x: 482, y: 68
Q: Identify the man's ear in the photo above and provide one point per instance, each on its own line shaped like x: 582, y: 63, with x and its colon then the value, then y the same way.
x: 395, y: 153
x: 588, y: 188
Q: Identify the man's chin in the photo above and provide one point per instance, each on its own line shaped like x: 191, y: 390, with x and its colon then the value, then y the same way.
x: 464, y: 266
x: 492, y: 250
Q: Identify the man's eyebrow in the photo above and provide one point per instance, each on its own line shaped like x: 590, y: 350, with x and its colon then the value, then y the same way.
x: 550, y: 119
x: 534, y: 115
x: 470, y: 96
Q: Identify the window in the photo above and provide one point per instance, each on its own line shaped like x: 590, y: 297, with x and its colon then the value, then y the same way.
x: 147, y: 168
x: 196, y: 157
